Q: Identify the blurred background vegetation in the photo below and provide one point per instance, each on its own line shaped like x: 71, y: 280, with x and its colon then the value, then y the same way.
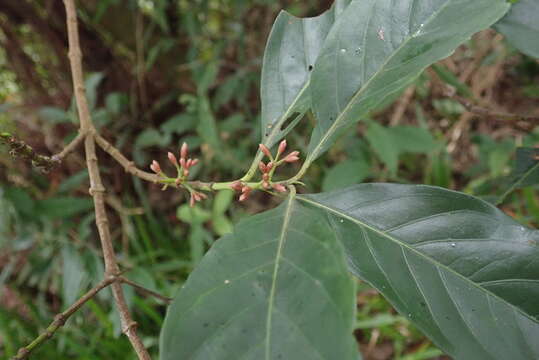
x: 160, y: 72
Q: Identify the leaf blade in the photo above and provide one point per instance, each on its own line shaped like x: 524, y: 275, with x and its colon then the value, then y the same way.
x: 347, y: 82
x: 257, y: 294
x: 433, y: 253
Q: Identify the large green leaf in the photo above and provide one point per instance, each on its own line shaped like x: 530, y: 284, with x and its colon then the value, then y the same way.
x: 521, y: 26
x: 464, y: 272
x: 276, y: 288
x: 378, y: 47
x: 291, y: 52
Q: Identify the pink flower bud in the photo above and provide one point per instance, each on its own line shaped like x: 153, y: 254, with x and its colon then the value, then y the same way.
x: 189, y: 163
x: 265, y: 150
x: 292, y: 157
x: 203, y: 196
x: 172, y: 159
x: 155, y: 167
x: 183, y: 151
x: 182, y: 162
x: 194, y: 162
x: 269, y: 166
x: 262, y: 167
x: 279, y: 187
x: 266, y: 184
x: 282, y: 147
x: 185, y: 173
x: 197, y: 196
x: 245, y: 191
x: 236, y: 186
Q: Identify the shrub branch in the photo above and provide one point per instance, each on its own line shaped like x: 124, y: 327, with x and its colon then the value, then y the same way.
x: 61, y: 318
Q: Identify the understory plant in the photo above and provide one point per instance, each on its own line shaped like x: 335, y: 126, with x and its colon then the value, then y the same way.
x: 279, y: 285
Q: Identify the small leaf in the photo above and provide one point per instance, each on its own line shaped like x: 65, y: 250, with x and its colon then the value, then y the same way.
x: 73, y: 271
x: 192, y: 215
x: 345, y: 174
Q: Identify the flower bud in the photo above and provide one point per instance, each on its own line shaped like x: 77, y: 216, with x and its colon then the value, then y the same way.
x: 282, y: 147
x: 156, y: 168
x: 183, y: 151
x: 269, y: 166
x: 189, y: 163
x: 185, y: 173
x: 172, y: 159
x: 245, y: 191
x: 292, y: 157
x: 194, y: 162
x: 279, y: 187
x: 182, y: 162
x: 265, y: 150
x: 265, y: 177
x: 197, y: 196
x: 265, y: 184
x: 262, y: 167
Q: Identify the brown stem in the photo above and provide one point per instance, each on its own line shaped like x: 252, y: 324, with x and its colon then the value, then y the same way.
x: 143, y: 290
x: 97, y: 189
x: 61, y: 318
x: 484, y: 112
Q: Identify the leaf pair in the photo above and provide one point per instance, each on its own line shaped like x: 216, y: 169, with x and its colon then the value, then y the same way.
x: 466, y: 274
x: 345, y: 62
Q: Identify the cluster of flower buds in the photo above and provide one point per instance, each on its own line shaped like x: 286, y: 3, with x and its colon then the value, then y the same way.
x: 195, y: 197
x: 290, y: 158
x: 182, y: 166
x: 242, y: 188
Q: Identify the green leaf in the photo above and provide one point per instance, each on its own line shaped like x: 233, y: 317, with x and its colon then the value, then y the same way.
x: 521, y: 27
x: 73, y: 271
x: 345, y: 174
x: 382, y: 143
x: 291, y: 52
x: 192, y: 215
x: 378, y: 47
x: 390, y: 143
x: 277, y: 288
x: 63, y: 207
x: 465, y: 273
x: 526, y: 172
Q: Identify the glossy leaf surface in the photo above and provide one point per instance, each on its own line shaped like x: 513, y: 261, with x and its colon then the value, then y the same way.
x: 378, y: 47
x: 276, y: 288
x: 521, y: 26
x: 291, y: 52
x: 464, y: 272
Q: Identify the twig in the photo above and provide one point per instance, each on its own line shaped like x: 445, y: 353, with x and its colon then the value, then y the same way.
x: 128, y: 165
x: 72, y: 146
x: 97, y: 189
x: 19, y: 148
x: 484, y: 112
x: 61, y: 318
x: 143, y: 290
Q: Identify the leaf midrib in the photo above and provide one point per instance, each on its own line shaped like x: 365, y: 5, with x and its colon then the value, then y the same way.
x: 412, y: 249
x: 278, y: 256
